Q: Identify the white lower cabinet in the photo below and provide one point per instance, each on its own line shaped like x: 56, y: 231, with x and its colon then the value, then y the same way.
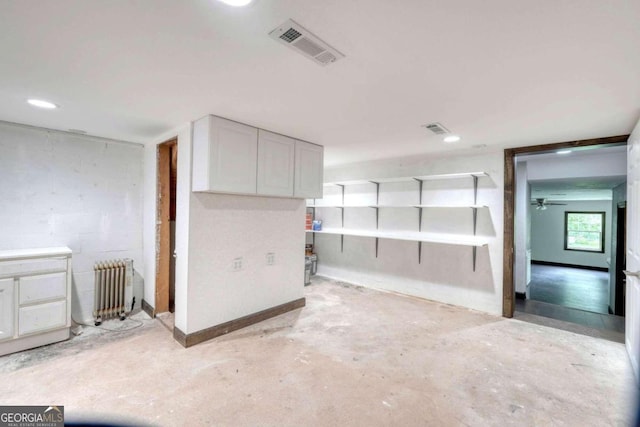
x: 35, y: 298
x: 7, y: 310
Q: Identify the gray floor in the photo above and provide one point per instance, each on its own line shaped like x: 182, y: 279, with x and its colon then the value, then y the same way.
x: 577, y: 296
x: 351, y: 357
x: 569, y: 319
x: 577, y: 288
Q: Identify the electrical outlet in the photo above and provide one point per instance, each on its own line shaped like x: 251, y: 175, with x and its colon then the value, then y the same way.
x: 237, y: 264
x: 271, y: 258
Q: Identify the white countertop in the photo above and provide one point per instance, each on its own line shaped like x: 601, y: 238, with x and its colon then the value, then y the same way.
x: 34, y: 253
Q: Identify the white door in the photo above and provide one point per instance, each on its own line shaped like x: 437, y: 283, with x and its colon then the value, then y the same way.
x: 275, y: 164
x: 6, y: 308
x: 632, y: 304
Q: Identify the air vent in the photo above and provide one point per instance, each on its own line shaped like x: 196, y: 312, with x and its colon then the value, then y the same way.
x: 437, y: 128
x: 303, y: 41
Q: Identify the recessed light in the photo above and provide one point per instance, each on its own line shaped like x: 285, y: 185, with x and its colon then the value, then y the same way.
x: 451, y: 138
x: 41, y: 103
x: 563, y: 152
x: 236, y: 3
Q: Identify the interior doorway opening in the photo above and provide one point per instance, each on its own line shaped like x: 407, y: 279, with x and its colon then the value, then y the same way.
x: 167, y: 170
x: 550, y: 243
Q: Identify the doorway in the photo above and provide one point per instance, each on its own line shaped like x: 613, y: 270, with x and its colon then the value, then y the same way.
x: 167, y: 169
x: 621, y: 260
x: 509, y: 300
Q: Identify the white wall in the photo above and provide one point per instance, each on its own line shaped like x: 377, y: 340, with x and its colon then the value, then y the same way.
x: 522, y: 229
x: 212, y: 230
x: 183, y: 190
x: 225, y: 227
x: 585, y: 166
x: 547, y: 234
x: 445, y: 273
x: 63, y: 189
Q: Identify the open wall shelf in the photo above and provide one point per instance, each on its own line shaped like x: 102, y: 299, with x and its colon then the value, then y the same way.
x: 408, y: 178
x: 398, y: 206
x: 450, y: 239
x: 419, y: 236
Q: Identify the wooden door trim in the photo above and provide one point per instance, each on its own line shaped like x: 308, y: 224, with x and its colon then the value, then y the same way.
x: 163, y: 231
x: 508, y: 293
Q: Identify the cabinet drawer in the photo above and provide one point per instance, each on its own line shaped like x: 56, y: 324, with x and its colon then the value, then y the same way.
x: 31, y: 266
x: 42, y: 288
x: 7, y: 309
x: 41, y: 317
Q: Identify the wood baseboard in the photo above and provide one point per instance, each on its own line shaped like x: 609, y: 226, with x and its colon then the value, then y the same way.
x: 559, y: 264
x: 147, y: 308
x: 187, y: 340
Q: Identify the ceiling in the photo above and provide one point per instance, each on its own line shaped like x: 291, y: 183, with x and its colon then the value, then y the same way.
x: 498, y: 73
x: 597, y: 181
x: 597, y: 188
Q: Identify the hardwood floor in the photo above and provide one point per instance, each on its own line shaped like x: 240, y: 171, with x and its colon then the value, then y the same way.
x: 578, y: 288
x: 573, y: 295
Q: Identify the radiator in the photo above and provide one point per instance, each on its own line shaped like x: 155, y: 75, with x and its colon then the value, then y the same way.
x: 113, y: 289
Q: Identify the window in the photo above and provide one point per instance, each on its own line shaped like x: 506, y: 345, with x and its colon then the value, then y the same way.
x: 584, y: 231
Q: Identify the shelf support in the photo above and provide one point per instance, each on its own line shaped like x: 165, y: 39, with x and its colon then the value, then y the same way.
x: 420, y: 182
x: 475, y: 220
x: 377, y: 212
x: 475, y: 189
x: 475, y: 223
x: 342, y: 243
x: 475, y: 249
x: 376, y: 247
x: 342, y: 207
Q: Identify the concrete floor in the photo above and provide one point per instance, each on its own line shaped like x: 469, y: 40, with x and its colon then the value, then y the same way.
x: 353, y: 356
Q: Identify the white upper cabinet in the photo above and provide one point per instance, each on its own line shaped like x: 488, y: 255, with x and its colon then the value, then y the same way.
x: 308, y: 170
x: 276, y: 157
x: 225, y: 156
x: 231, y: 157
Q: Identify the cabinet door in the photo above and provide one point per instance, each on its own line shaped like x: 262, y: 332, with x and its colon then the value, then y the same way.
x: 276, y: 154
x: 225, y: 156
x: 7, y: 306
x: 308, y: 170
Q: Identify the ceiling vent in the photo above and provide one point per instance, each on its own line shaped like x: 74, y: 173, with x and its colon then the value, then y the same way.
x: 437, y: 128
x: 303, y: 41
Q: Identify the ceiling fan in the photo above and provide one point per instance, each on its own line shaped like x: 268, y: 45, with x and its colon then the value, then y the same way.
x: 541, y: 204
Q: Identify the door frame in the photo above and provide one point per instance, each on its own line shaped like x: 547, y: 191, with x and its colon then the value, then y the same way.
x: 508, y: 293
x: 163, y: 231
